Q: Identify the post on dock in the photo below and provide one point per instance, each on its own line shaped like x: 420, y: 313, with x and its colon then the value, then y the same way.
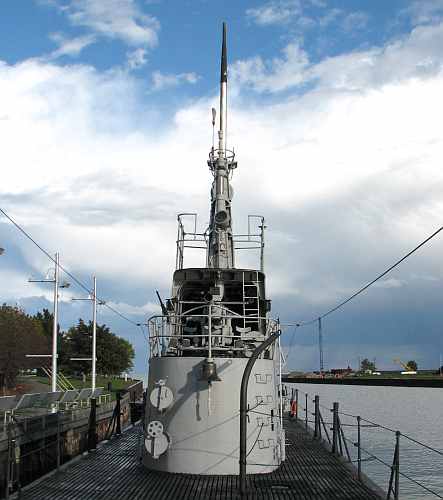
x: 397, y: 466
x: 58, y: 441
x: 394, y: 480
x: 296, y: 405
x: 317, y: 429
x: 8, y: 461
x: 306, y: 411
x: 359, y: 447
x: 335, y: 428
x: 92, y: 430
x: 118, y: 409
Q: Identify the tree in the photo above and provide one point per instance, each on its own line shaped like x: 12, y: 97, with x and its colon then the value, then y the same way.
x: 46, y: 320
x: 367, y: 366
x: 114, y: 354
x: 412, y: 365
x: 20, y: 334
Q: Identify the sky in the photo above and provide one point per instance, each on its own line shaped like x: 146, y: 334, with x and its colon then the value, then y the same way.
x: 335, y: 115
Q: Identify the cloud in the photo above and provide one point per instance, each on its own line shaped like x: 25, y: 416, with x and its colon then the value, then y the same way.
x: 162, y: 81
x: 344, y: 161
x: 301, y: 17
x: 137, y: 58
x: 115, y: 19
x: 415, y: 55
x: 274, y: 12
x: 71, y: 47
x: 274, y: 75
x: 355, y: 21
x: 423, y: 12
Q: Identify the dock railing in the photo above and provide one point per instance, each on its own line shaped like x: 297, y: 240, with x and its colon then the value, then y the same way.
x: 344, y: 439
x: 31, y: 446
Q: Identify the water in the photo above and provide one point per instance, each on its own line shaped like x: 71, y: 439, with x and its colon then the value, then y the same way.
x: 415, y: 412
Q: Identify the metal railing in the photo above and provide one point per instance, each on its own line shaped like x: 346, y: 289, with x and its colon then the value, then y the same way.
x: 169, y: 332
x: 37, y: 445
x: 309, y: 414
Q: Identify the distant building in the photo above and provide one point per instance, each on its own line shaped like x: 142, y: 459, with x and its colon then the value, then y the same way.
x: 341, y: 372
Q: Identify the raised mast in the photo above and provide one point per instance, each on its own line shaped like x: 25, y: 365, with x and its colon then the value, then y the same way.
x: 221, y: 162
x: 223, y: 97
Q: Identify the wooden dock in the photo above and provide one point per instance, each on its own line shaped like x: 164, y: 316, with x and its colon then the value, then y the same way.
x: 114, y: 473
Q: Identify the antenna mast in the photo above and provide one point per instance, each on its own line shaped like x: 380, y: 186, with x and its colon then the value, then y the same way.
x: 223, y: 98
x: 221, y: 162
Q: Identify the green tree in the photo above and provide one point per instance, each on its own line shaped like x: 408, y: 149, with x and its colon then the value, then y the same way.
x: 412, y: 365
x: 46, y: 319
x: 114, y: 354
x: 367, y: 366
x: 20, y: 334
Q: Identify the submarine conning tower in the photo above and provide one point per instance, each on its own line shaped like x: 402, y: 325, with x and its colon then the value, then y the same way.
x: 199, y: 346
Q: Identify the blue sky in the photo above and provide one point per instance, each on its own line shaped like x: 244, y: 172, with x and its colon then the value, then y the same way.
x: 334, y: 113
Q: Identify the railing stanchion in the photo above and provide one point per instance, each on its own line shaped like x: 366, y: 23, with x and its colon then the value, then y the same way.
x: 118, y: 409
x: 316, y: 417
x: 397, y: 466
x: 92, y: 428
x: 334, y: 427
x: 359, y: 447
x: 8, y: 461
x: 296, y: 405
x: 58, y: 441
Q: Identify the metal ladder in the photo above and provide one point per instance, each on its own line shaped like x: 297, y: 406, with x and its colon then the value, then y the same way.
x: 63, y: 383
x: 248, y: 310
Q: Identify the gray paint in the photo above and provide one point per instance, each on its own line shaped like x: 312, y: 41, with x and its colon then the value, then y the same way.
x: 203, y: 442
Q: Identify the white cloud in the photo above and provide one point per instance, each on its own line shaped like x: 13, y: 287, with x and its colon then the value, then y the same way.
x: 162, y: 81
x: 71, y: 47
x: 424, y: 11
x: 115, y: 19
x: 137, y: 58
x: 347, y: 172
x: 355, y: 21
x: 274, y: 75
x: 415, y: 55
x: 275, y: 12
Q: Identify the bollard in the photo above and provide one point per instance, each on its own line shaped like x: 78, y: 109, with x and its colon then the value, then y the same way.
x: 316, y: 417
x: 334, y: 428
x: 92, y: 430
x: 359, y: 448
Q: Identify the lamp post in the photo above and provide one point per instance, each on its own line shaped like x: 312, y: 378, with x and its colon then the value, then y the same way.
x: 55, y: 281
x: 92, y: 297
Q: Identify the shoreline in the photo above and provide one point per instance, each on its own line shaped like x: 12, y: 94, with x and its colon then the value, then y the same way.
x: 382, y: 382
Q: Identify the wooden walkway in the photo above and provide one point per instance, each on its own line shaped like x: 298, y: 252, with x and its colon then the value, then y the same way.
x: 113, y: 473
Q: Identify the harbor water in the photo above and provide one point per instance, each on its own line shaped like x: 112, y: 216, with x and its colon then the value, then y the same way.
x: 414, y: 411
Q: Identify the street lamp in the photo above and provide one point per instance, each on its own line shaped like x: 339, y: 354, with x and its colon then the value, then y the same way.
x: 55, y: 281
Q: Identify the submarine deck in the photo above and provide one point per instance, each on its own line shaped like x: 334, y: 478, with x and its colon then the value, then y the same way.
x: 114, y: 472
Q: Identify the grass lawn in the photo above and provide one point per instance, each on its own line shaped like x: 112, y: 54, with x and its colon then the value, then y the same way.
x: 117, y: 383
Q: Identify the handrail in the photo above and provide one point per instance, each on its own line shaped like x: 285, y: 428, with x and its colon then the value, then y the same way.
x: 339, y: 436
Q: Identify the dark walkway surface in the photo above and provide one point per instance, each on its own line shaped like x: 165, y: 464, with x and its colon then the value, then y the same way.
x: 111, y: 473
